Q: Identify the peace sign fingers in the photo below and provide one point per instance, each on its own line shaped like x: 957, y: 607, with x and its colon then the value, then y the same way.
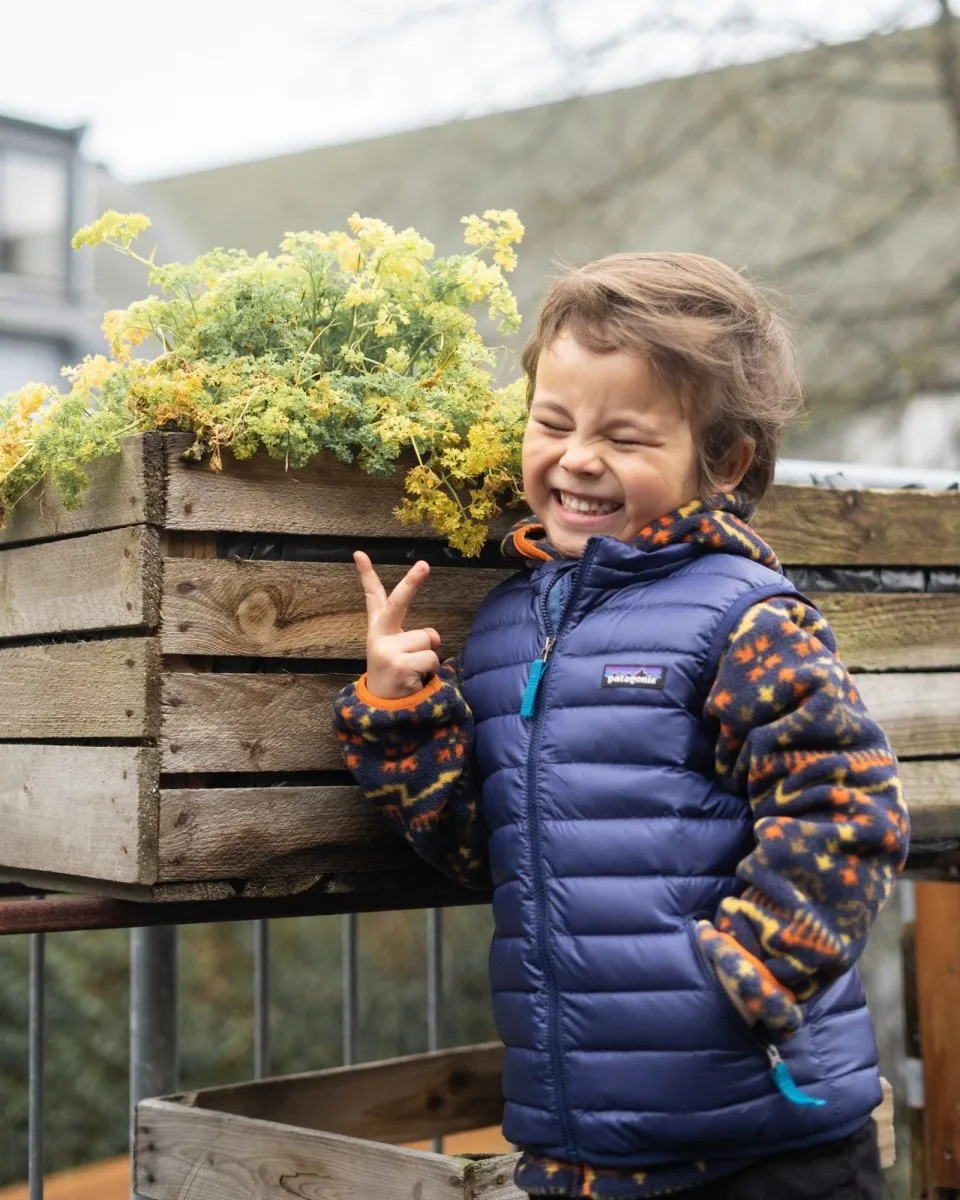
x: 397, y: 659
x: 389, y: 611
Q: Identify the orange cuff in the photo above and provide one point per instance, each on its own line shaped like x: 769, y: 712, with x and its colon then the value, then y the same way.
x: 761, y: 968
x: 365, y: 696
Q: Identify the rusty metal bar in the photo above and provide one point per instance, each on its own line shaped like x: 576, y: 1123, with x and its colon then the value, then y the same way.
x: 63, y: 914
x: 934, y: 859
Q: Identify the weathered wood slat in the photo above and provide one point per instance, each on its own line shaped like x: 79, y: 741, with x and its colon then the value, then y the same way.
x: 224, y: 1157
x: 79, y: 810
x: 301, y: 609
x: 332, y: 829
x: 883, y: 1117
x: 234, y: 722
x: 932, y: 792
x: 99, y: 581
x: 102, y: 689
x: 920, y: 713
x: 806, y: 525
x: 810, y: 526
x: 89, y: 886
x: 894, y: 632
x: 396, y: 1100
x: 124, y: 489
x: 260, y: 495
x: 235, y: 833
x: 249, y: 722
x: 492, y: 1178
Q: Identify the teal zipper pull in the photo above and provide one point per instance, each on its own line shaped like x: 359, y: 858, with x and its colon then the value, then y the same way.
x: 785, y: 1082
x: 537, y: 669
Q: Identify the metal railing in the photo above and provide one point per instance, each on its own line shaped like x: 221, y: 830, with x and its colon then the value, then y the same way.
x: 154, y: 1016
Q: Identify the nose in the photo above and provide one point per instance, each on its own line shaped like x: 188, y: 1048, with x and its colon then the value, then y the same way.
x: 580, y: 457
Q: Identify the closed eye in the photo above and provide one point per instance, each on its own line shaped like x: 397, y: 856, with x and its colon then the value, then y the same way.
x: 635, y: 442
x: 551, y: 428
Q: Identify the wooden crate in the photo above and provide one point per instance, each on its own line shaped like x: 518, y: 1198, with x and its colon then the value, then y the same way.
x: 338, y: 1134
x: 146, y: 752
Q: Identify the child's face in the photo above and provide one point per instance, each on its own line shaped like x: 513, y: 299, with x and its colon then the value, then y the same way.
x: 606, y: 449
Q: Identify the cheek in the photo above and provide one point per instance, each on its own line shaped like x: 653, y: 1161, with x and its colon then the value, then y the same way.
x: 534, y: 460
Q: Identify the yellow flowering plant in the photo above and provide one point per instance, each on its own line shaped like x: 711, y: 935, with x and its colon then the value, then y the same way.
x: 360, y: 342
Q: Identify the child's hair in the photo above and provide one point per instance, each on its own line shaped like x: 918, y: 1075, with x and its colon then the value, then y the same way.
x: 710, y: 336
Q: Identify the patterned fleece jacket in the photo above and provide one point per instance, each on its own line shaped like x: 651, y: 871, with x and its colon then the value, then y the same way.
x: 792, y: 737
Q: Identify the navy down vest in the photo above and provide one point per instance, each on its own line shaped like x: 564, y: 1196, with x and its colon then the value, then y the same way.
x: 609, y: 837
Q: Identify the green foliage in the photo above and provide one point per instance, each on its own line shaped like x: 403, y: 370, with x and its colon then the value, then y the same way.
x: 360, y: 344
x: 88, y: 1032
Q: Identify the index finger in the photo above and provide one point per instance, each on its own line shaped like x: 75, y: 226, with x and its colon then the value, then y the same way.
x: 374, y: 593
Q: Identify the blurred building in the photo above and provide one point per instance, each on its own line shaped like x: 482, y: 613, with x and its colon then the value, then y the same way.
x: 43, y: 285
x: 834, y: 174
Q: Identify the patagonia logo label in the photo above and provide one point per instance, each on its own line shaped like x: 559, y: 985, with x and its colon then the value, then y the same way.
x: 634, y: 676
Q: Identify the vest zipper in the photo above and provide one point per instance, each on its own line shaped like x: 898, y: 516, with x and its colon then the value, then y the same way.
x: 785, y: 1083
x: 537, y: 710
x: 537, y: 668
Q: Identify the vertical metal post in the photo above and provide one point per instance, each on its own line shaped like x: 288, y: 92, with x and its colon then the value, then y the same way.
x: 913, y: 1064
x: 154, y: 1057
x: 349, y: 1018
x: 261, y: 999
x: 435, y: 989
x: 36, y: 1038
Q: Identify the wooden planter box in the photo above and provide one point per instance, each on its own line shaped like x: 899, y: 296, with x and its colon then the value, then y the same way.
x: 165, y: 729
x: 328, y: 1135
x: 337, y: 1134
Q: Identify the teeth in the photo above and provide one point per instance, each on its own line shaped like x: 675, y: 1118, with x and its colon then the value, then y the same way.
x: 595, y: 507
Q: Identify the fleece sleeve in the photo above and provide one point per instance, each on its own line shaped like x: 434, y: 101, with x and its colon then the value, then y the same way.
x: 831, y: 829
x: 413, y: 759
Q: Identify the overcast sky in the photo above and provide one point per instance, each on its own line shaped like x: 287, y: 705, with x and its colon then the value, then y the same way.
x: 189, y: 84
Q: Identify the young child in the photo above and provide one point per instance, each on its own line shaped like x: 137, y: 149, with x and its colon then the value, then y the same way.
x: 651, y: 750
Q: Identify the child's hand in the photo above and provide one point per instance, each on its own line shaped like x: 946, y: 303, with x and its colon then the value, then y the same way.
x: 398, y: 661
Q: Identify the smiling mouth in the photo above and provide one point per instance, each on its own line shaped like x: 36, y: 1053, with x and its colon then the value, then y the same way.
x: 581, y: 504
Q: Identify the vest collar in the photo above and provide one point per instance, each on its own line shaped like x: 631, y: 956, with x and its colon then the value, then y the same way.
x: 718, y: 525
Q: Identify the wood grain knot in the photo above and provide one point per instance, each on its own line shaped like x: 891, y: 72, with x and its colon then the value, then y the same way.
x: 257, y: 614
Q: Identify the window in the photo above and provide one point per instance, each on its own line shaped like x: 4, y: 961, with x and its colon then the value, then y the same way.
x: 34, y: 199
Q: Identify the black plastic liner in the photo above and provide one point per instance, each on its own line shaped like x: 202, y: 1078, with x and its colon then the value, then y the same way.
x: 302, y: 548
x: 857, y: 579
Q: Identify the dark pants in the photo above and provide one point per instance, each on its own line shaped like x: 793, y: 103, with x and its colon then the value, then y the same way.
x: 847, y: 1169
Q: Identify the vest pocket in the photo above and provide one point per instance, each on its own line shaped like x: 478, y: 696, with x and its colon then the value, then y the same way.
x: 733, y: 1023
x: 706, y: 967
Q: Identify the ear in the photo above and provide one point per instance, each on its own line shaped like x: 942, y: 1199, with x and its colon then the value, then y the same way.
x: 737, y: 464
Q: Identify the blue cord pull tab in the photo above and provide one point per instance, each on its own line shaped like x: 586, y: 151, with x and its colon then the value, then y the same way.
x: 785, y: 1082
x: 537, y: 668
